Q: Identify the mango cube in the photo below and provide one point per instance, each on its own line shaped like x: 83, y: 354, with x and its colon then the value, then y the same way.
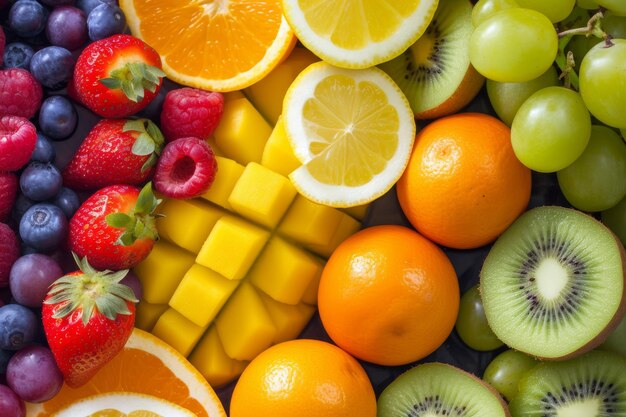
x: 161, y: 272
x: 346, y: 227
x: 147, y: 315
x: 244, y: 325
x: 187, y: 223
x: 277, y: 154
x: 228, y: 172
x: 201, y: 294
x: 242, y: 132
x: 232, y: 247
x: 284, y: 271
x: 288, y: 319
x: 357, y: 212
x: 262, y: 195
x: 310, y: 294
x: 310, y: 223
x: 174, y: 329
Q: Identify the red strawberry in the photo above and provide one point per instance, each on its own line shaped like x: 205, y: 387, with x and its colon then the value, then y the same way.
x: 117, y: 76
x: 9, y: 252
x: 8, y: 192
x: 115, y: 228
x: 87, y: 316
x: 20, y: 93
x: 17, y: 142
x: 115, y: 152
x: 191, y: 112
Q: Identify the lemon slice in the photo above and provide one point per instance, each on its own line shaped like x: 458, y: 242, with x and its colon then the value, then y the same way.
x: 353, y: 130
x: 123, y: 404
x: 358, y: 33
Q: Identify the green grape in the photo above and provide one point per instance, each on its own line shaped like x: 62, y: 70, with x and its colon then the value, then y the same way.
x: 471, y: 323
x: 623, y: 132
x: 513, y: 45
x: 506, y: 370
x: 587, y: 4
x: 614, y: 25
x: 616, y: 342
x: 602, y: 83
x: 617, y: 6
x: 551, y: 129
x: 555, y: 10
x: 615, y: 219
x: 506, y: 98
x: 597, y: 180
x: 487, y: 8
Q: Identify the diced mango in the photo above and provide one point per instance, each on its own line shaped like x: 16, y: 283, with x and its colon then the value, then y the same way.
x: 201, y: 294
x: 283, y: 271
x: 288, y: 319
x: 147, y: 315
x: 310, y: 223
x: 174, y: 329
x: 242, y: 132
x: 228, y: 172
x: 357, y: 212
x: 212, y: 361
x: 161, y: 272
x: 278, y: 154
x: 346, y: 227
x: 233, y: 95
x: 232, y: 247
x: 261, y: 195
x: 187, y: 223
x: 267, y: 94
x: 244, y: 325
x: 310, y: 294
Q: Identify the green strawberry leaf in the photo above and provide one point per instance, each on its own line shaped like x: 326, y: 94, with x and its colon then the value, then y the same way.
x: 119, y: 220
x: 112, y: 83
x: 150, y: 162
x: 139, y: 228
x: 146, y: 201
x: 137, y: 125
x: 156, y: 136
x: 144, y: 145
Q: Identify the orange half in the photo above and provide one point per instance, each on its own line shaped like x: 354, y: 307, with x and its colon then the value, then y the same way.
x: 218, y: 45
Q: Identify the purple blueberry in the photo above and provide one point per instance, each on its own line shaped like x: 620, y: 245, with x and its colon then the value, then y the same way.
x: 44, y: 151
x: 57, y: 117
x: 68, y: 201
x: 27, y: 18
x: 88, y: 5
x: 52, y: 66
x: 5, y: 355
x: 41, y: 181
x: 18, y: 326
x: 67, y: 27
x: 30, y: 278
x: 34, y: 375
x: 104, y: 21
x: 21, y: 206
x: 10, y: 404
x: 43, y: 227
x: 18, y: 55
x: 53, y: 3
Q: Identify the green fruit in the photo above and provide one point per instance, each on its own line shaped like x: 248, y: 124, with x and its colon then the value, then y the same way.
x: 471, y: 324
x: 616, y: 342
x: 506, y: 370
x: 615, y: 219
x: 484, y: 9
x: 555, y: 10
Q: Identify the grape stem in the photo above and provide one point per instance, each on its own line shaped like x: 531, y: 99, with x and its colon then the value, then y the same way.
x: 568, y: 71
x: 593, y: 28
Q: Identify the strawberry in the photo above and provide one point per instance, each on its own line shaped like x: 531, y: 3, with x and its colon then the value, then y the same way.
x: 115, y: 152
x: 87, y: 316
x: 117, y: 76
x: 115, y: 227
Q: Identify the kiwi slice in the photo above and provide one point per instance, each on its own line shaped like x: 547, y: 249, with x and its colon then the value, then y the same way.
x: 438, y: 389
x: 552, y: 285
x: 592, y: 385
x: 435, y: 72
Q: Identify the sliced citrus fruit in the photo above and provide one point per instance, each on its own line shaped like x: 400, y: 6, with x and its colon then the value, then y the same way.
x: 219, y: 45
x: 358, y: 33
x: 353, y: 130
x: 147, y: 366
x: 123, y: 404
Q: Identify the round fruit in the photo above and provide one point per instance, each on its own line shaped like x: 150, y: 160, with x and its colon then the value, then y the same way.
x: 124, y: 404
x: 471, y: 324
x: 484, y: 9
x: 396, y: 287
x: 615, y: 219
x: 305, y: 378
x: 506, y: 370
x: 553, y: 10
x: 463, y: 185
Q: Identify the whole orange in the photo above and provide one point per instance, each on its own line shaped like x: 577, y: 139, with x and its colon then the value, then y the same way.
x: 388, y: 295
x: 303, y: 378
x: 463, y: 185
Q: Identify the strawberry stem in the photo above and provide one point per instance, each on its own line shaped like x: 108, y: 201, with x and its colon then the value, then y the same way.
x: 139, y: 223
x: 133, y: 79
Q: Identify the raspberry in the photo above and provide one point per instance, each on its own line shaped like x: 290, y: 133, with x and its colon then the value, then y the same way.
x: 8, y: 192
x: 18, y: 137
x: 189, y: 112
x: 20, y: 93
x: 9, y: 252
x: 185, y: 169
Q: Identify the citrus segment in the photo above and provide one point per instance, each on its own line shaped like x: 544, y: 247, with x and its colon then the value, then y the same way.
x: 222, y: 45
x: 358, y: 33
x: 352, y: 129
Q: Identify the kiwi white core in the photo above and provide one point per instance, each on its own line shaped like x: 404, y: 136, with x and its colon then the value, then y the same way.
x: 586, y: 408
x: 551, y: 278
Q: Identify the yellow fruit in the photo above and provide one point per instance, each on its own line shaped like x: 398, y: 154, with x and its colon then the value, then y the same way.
x: 223, y: 184
x: 358, y: 33
x: 177, y: 331
x: 277, y: 154
x: 352, y: 129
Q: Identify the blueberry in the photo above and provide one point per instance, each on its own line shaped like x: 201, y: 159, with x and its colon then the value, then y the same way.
x: 105, y: 20
x: 27, y: 18
x: 43, y: 227
x: 18, y: 326
x: 41, y: 181
x: 21, y: 206
x: 68, y: 201
x: 88, y: 5
x: 67, y: 27
x: 57, y: 117
x: 56, y: 2
x: 52, y: 66
x: 5, y: 355
x: 44, y: 151
x: 18, y: 55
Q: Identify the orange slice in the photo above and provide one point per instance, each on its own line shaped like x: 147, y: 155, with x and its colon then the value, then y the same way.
x: 219, y: 45
x: 146, y: 366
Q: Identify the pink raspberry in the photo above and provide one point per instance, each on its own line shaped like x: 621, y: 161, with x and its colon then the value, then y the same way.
x: 189, y: 112
x: 17, y: 142
x: 20, y: 93
x: 186, y: 168
x: 9, y: 252
x: 8, y: 192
